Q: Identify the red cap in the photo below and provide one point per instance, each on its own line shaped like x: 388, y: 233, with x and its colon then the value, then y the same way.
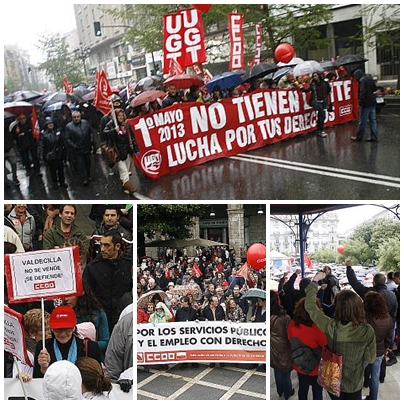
x: 225, y: 284
x: 63, y: 317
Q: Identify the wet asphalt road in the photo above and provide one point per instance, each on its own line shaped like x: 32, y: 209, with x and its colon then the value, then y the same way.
x: 103, y: 185
x: 304, y: 168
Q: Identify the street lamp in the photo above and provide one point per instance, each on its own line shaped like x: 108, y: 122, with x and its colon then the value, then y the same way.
x: 82, y: 53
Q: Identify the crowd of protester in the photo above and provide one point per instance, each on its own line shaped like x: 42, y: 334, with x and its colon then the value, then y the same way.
x: 94, y: 331
x: 202, y: 286
x: 363, y: 321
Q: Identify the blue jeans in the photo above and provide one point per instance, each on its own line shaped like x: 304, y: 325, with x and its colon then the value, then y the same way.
x: 305, y: 381
x: 320, y: 115
x: 365, y: 115
x: 374, y: 378
x: 283, y: 383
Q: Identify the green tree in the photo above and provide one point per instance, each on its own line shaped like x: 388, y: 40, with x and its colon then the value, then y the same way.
x: 370, y: 243
x: 168, y: 220
x: 325, y: 255
x: 381, y: 25
x: 60, y: 60
x: 389, y: 256
x: 280, y: 22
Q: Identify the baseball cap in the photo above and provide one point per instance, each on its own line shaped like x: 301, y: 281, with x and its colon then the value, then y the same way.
x: 63, y: 317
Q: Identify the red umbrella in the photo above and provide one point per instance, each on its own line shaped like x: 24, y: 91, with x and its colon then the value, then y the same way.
x: 18, y: 107
x: 184, y: 81
x: 147, y: 96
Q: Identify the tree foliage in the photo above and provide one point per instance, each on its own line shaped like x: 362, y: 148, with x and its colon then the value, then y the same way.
x: 169, y: 220
x: 60, y: 60
x: 381, y: 25
x: 375, y: 242
x: 280, y: 22
x: 325, y: 255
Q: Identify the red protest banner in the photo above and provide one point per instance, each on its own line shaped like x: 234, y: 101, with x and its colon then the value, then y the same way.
x: 236, y: 41
x: 14, y: 336
x: 186, y: 135
x: 183, y: 38
x: 213, y: 341
x: 46, y: 274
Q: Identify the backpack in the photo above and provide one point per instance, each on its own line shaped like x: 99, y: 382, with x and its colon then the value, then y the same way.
x: 304, y: 357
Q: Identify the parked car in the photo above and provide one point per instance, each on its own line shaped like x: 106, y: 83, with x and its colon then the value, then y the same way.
x: 380, y: 98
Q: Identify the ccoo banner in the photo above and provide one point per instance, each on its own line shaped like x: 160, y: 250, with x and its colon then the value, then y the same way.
x: 43, y: 274
x: 236, y: 41
x: 184, y: 39
x: 209, y: 341
x: 185, y: 135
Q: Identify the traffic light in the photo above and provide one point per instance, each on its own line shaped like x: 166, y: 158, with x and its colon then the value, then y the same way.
x: 97, y: 28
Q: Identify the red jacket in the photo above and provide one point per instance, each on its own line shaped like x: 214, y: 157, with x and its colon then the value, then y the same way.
x: 310, y: 336
x: 142, y: 317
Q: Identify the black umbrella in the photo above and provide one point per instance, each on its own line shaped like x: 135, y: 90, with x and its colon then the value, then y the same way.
x: 81, y: 90
x: 351, y: 59
x: 60, y: 96
x: 258, y: 71
x: 27, y: 95
x: 328, y: 65
x: 8, y: 115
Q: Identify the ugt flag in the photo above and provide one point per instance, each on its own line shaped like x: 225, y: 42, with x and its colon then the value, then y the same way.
x: 184, y: 38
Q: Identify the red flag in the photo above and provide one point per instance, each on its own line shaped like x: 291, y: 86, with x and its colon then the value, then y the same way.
x: 197, y: 70
x: 175, y: 68
x: 243, y: 271
x: 102, y: 93
x: 196, y: 271
x: 36, y: 132
x: 307, y: 261
x: 207, y: 75
x: 236, y: 41
x: 258, y: 45
x: 67, y: 87
x: 183, y: 38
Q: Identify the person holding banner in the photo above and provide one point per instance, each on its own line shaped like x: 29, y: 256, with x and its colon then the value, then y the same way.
x: 32, y: 321
x: 118, y: 133
x: 320, y: 91
x: 173, y: 96
x: 63, y: 345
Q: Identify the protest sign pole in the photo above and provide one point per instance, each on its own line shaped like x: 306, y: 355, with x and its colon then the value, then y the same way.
x: 43, y: 322
x: 20, y: 378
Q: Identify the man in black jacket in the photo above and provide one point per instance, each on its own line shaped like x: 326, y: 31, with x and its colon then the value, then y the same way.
x: 367, y: 105
x: 109, y: 275
x: 185, y: 312
x: 78, y: 136
x: 379, y: 285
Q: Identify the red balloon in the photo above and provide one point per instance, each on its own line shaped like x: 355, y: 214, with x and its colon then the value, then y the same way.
x: 203, y: 8
x: 340, y: 248
x: 284, y: 52
x: 257, y: 256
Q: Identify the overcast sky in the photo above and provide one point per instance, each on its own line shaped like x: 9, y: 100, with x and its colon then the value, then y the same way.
x: 354, y: 216
x: 25, y: 22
